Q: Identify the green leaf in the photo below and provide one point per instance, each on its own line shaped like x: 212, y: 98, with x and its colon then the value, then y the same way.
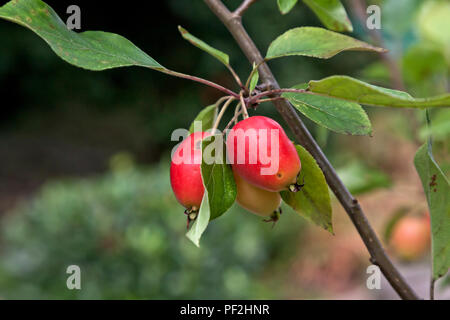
x: 254, y: 80
x: 286, y: 5
x: 201, y: 223
x: 354, y: 90
x: 315, y: 42
x: 332, y: 14
x: 92, y: 50
x: 207, y: 117
x: 335, y: 114
x: 219, y: 55
x: 217, y: 176
x: 313, y: 200
x: 437, y: 191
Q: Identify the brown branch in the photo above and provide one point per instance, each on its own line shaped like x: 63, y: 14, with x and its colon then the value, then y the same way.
x: 350, y: 204
x: 243, y: 7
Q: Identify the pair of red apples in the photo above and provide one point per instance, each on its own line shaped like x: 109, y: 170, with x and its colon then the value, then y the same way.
x: 257, y: 192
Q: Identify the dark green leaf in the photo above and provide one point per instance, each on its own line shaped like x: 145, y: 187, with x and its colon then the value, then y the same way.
x: 286, y: 5
x: 332, y: 14
x: 217, y: 176
x: 315, y: 42
x: 437, y: 191
x: 313, y: 200
x: 206, y: 117
x: 219, y: 55
x: 335, y: 114
x: 351, y: 89
x: 201, y: 223
x: 90, y: 50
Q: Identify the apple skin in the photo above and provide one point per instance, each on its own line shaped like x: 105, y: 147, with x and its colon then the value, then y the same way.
x: 410, y: 237
x: 256, y: 200
x: 289, y: 162
x: 185, y: 176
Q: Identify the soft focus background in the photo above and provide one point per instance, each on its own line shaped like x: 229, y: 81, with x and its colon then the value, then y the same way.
x: 84, y: 159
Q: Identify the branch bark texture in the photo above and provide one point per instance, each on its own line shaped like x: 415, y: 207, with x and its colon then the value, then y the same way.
x: 233, y: 22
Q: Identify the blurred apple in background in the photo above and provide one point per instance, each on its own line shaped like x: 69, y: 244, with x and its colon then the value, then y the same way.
x: 410, y: 237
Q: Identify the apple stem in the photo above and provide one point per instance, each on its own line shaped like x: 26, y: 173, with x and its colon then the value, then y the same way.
x: 234, y: 119
x: 221, y: 113
x: 243, y: 106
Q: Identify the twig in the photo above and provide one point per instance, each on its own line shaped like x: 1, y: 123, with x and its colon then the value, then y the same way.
x: 272, y: 92
x: 236, y: 77
x: 203, y: 81
x: 350, y: 204
x: 221, y: 113
x: 268, y: 99
x: 234, y: 119
x: 243, y: 7
x: 243, y: 106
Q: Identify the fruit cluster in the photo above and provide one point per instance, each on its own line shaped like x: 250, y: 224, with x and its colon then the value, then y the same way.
x: 258, y: 181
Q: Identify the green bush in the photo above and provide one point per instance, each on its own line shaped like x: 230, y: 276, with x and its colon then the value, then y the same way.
x: 126, y: 232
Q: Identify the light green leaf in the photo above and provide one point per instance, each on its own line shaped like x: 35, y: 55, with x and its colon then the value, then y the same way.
x: 315, y: 42
x: 206, y: 117
x: 219, y: 55
x: 286, y: 5
x: 332, y: 14
x: 313, y: 200
x: 92, y: 50
x: 217, y: 176
x: 335, y: 114
x: 254, y: 80
x: 437, y: 191
x: 201, y: 223
x: 354, y: 90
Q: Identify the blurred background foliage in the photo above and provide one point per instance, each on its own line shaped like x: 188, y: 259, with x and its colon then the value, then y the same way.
x: 125, y: 231
x: 84, y: 156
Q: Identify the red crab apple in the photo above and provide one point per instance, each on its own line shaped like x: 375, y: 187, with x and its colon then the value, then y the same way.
x: 262, y: 154
x: 185, y: 173
x: 411, y: 237
x: 256, y: 200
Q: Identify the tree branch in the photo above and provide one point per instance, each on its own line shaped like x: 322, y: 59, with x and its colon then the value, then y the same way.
x: 243, y: 7
x: 203, y: 81
x: 350, y: 204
